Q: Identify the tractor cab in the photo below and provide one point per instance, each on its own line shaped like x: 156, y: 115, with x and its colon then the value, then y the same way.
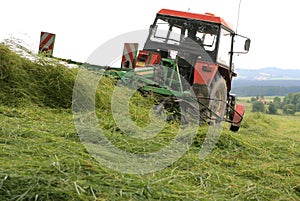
x: 202, y: 44
x: 189, y: 33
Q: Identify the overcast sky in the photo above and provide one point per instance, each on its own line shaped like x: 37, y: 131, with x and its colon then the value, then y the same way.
x: 82, y: 26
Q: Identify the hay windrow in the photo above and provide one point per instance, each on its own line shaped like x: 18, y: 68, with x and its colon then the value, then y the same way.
x: 24, y: 82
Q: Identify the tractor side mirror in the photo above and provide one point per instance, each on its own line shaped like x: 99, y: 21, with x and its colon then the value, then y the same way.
x: 242, y: 44
x: 247, y: 45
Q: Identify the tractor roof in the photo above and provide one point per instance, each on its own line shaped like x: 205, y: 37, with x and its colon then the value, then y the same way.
x: 203, y: 17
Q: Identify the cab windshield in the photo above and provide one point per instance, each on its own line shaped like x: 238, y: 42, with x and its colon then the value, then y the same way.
x: 175, y: 31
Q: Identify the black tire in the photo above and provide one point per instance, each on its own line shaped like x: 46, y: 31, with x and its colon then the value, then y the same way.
x: 234, y: 128
x: 218, y: 99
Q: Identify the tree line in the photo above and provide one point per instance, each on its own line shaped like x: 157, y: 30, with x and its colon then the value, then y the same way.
x: 266, y: 90
x: 290, y: 104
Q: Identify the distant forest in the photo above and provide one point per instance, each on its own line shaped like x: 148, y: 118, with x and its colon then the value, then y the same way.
x: 265, y: 90
x: 265, y: 87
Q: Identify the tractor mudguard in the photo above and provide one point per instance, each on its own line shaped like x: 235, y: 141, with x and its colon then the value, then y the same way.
x: 238, y: 117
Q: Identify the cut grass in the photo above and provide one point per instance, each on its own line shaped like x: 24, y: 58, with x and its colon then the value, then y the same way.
x: 42, y: 157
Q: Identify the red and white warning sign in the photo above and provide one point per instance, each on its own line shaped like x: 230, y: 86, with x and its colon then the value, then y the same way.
x: 47, y: 43
x: 129, y: 54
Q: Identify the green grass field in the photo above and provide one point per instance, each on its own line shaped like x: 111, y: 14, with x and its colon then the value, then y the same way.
x: 42, y: 157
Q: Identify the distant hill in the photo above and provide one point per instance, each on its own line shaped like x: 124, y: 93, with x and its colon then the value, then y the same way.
x: 279, y: 83
x: 270, y: 73
x: 266, y: 81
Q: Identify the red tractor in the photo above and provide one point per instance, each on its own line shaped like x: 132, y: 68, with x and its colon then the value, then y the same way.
x: 200, y: 48
x: 196, y: 52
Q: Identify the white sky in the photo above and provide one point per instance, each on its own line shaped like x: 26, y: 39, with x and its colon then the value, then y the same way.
x: 82, y: 26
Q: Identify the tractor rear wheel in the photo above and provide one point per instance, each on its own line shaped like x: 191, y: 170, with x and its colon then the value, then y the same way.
x: 218, y: 99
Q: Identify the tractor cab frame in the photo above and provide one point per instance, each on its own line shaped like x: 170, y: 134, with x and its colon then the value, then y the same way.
x: 203, y: 43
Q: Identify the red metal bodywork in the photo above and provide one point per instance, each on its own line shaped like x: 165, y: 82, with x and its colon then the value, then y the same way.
x: 204, y: 73
x: 238, y: 115
x: 147, y: 58
x: 205, y: 17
